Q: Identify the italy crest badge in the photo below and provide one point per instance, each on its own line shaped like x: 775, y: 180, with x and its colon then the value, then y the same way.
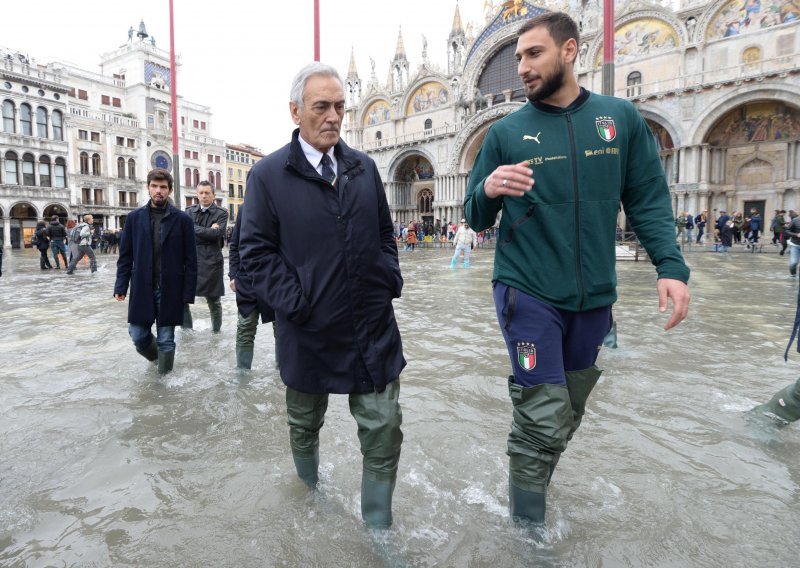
x: 526, y: 355
x: 606, y: 128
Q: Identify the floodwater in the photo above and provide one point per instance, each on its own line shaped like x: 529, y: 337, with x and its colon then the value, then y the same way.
x: 105, y: 463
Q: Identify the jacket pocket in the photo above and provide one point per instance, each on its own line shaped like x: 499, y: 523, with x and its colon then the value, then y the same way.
x: 515, y: 225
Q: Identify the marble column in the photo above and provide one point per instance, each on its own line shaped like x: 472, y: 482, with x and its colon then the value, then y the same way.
x: 7, y: 230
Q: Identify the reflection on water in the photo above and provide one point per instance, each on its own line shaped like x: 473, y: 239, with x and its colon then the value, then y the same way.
x: 104, y: 463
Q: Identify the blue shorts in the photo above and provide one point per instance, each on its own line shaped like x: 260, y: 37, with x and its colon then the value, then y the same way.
x: 544, y: 342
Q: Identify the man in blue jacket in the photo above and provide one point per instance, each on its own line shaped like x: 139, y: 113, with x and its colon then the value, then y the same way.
x: 157, y: 258
x: 316, y: 239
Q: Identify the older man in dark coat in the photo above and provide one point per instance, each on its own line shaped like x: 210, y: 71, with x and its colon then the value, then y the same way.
x: 157, y: 258
x: 320, y: 250
x: 210, y: 223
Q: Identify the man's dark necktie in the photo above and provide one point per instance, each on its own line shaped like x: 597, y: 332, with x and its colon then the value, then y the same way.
x: 327, y: 170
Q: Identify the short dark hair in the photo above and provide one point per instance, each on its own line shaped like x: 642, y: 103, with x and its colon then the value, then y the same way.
x: 54, y: 218
x: 559, y: 25
x: 205, y: 183
x: 160, y: 174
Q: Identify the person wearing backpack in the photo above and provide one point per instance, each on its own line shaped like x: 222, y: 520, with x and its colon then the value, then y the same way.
x: 57, y: 235
x: 81, y: 235
x: 42, y: 243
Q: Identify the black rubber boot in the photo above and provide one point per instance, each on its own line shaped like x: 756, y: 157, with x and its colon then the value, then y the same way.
x: 215, y: 307
x: 166, y: 359
x: 187, y: 318
x: 308, y: 469
x: 150, y: 351
x: 784, y: 405
x: 376, y: 502
x: 244, y: 357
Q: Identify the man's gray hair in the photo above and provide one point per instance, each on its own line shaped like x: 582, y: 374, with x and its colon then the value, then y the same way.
x: 310, y: 70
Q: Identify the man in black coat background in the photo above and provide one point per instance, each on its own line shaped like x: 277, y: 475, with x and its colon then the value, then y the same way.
x: 210, y: 223
x: 316, y: 239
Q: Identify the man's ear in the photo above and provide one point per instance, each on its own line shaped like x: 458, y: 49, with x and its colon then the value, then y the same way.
x: 570, y: 50
x: 294, y: 110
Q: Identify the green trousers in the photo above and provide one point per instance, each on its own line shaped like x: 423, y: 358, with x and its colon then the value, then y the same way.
x: 378, y: 416
x: 214, y: 307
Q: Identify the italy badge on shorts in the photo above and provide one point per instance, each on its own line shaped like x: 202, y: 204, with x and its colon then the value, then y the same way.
x: 606, y: 128
x: 526, y: 355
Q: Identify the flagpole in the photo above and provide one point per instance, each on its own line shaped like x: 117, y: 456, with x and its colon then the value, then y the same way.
x: 608, y: 48
x: 174, y: 95
x: 316, y: 30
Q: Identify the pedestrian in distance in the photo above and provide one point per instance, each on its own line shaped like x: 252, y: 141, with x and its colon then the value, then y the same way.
x: 464, y: 241
x: 316, y: 235
x: 210, y: 223
x: 247, y: 305
x: 58, y: 236
x: 42, y: 244
x: 554, y: 279
x: 81, y: 236
x: 158, y: 261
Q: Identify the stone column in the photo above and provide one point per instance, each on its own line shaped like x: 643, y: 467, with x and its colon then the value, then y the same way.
x: 704, y: 155
x: 507, y: 94
x: 7, y: 230
x: 489, y: 100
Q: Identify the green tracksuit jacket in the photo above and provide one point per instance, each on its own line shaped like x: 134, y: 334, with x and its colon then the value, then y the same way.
x: 557, y: 243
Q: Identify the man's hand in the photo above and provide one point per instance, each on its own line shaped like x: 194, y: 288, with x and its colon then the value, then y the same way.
x: 232, y: 285
x: 514, y: 180
x: 215, y: 225
x: 120, y: 297
x: 679, y: 292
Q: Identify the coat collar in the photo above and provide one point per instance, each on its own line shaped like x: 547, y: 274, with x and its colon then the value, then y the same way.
x: 347, y: 157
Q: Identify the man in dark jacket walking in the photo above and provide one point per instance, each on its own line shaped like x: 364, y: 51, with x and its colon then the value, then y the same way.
x: 316, y: 239
x: 241, y: 284
x: 210, y: 223
x: 57, y: 235
x: 157, y: 258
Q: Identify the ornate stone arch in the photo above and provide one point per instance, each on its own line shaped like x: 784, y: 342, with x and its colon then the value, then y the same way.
x: 477, y: 122
x: 367, y: 106
x: 401, y: 156
x: 786, y: 94
x: 667, y: 18
x: 656, y: 114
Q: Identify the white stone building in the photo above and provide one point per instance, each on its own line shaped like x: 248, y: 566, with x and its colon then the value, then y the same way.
x: 75, y: 141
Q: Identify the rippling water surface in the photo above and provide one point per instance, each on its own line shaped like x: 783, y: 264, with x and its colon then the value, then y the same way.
x: 104, y: 463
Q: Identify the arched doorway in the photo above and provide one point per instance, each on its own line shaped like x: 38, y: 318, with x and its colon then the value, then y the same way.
x: 23, y: 224
x: 413, y: 176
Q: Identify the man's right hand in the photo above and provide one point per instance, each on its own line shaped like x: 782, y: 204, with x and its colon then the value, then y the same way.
x: 232, y: 285
x: 514, y: 180
x: 120, y: 297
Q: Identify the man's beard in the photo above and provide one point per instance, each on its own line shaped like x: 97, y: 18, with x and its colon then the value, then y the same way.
x: 549, y: 86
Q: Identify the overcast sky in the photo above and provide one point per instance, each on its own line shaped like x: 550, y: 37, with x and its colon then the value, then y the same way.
x: 239, y: 56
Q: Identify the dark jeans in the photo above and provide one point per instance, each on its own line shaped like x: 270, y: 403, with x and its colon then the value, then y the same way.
x: 141, y: 334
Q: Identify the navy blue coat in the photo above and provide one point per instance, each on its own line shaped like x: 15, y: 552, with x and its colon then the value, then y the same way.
x: 325, y: 260
x: 245, y: 294
x: 178, y: 267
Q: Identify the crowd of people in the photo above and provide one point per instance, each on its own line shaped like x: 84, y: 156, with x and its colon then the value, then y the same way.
x: 744, y: 230
x: 72, y: 241
x: 408, y: 235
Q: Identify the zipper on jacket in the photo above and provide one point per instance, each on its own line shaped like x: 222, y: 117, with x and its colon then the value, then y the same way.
x: 515, y: 225
x: 578, y: 271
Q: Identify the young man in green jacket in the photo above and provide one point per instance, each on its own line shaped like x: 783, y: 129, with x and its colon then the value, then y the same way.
x: 558, y: 168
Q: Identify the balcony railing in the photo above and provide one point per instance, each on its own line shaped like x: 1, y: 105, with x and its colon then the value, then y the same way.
x: 410, y: 138
x: 107, y: 117
x: 710, y: 78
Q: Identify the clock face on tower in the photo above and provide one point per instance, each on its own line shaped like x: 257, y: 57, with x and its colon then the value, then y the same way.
x: 160, y: 159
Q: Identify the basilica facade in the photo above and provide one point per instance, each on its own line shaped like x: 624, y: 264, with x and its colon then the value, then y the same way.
x: 718, y: 82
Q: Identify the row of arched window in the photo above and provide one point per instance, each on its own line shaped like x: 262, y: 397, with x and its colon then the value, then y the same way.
x: 96, y: 164
x: 131, y: 168
x: 191, y: 178
x: 28, y: 120
x: 24, y: 172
